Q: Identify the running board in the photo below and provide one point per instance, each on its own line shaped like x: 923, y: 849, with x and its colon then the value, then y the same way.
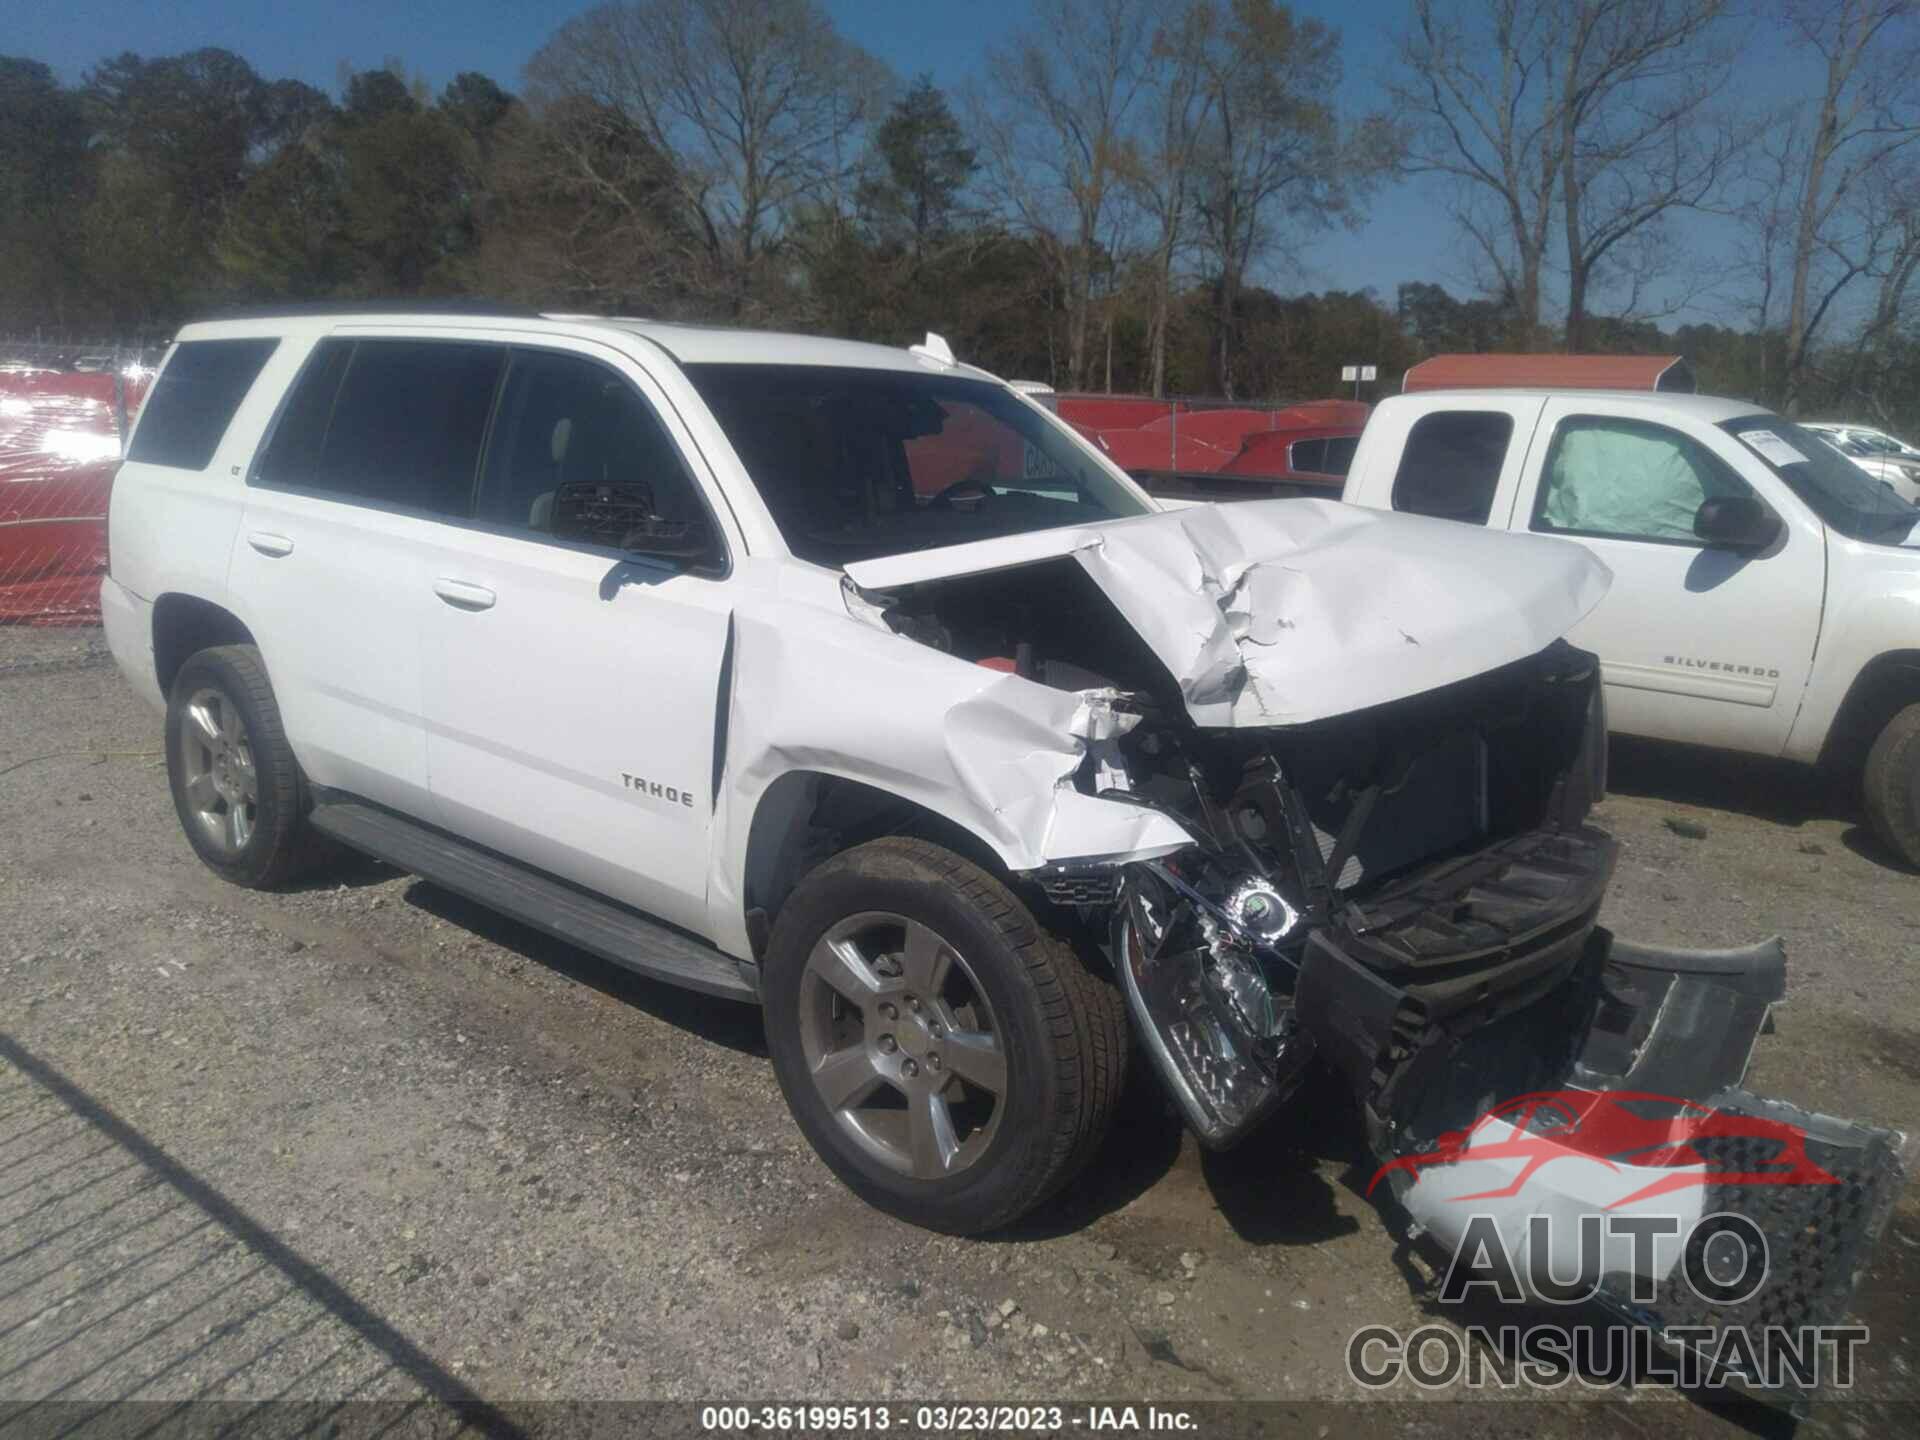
x: 622, y: 936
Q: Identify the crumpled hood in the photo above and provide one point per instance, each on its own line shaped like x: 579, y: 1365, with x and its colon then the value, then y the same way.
x: 1282, y: 612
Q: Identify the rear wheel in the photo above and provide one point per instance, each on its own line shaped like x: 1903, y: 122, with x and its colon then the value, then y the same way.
x: 236, y: 785
x: 1892, y: 785
x: 952, y: 1062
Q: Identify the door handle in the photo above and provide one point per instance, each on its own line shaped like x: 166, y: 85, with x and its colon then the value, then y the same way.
x: 269, y: 544
x: 464, y: 596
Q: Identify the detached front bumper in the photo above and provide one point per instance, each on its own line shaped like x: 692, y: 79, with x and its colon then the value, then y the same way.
x: 1647, y: 1178
x: 1559, y: 1110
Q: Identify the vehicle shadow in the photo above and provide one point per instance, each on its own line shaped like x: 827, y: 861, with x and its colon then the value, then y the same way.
x: 1268, y: 1188
x: 1861, y: 840
x: 1142, y: 1147
x: 1754, y: 785
x: 344, y: 870
x: 721, y: 1022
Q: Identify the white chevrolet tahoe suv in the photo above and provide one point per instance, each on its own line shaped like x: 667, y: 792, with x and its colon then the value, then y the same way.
x: 1766, y: 591
x: 848, y: 681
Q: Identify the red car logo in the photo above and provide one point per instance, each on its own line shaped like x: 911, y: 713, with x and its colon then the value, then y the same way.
x: 1623, y: 1128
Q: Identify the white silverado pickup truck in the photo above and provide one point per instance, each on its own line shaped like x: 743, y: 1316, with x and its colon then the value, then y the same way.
x: 849, y: 682
x: 1766, y: 590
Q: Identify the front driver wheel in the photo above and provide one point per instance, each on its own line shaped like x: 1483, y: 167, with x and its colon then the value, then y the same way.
x: 952, y: 1062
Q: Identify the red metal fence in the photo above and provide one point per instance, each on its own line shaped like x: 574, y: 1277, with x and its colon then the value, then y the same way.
x: 63, y: 411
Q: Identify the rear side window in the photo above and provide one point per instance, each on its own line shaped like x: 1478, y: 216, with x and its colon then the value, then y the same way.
x: 1451, y: 464
x: 194, y: 401
x: 1340, y: 453
x: 390, y: 422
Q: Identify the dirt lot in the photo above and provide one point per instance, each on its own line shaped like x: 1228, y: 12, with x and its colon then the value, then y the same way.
x: 366, y: 1140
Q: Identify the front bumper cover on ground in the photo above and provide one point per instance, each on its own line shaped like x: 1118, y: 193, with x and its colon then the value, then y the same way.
x: 1531, y: 1080
x: 1650, y: 1123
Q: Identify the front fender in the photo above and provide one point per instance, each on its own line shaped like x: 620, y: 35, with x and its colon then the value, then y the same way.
x: 987, y: 751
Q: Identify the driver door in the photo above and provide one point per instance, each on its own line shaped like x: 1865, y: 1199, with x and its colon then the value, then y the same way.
x: 571, y: 689
x: 1696, y: 643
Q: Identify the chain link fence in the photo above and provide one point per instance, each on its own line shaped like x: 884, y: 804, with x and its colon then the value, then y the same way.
x: 65, y: 405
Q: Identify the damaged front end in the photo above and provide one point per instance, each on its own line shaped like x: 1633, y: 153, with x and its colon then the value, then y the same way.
x: 1411, y: 897
x: 1364, y: 888
x: 1399, y: 878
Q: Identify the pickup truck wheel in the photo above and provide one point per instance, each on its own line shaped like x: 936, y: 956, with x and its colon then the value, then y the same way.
x: 1892, y: 783
x: 236, y: 785
x: 952, y: 1062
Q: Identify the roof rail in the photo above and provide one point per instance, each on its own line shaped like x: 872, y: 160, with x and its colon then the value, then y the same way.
x: 308, y: 308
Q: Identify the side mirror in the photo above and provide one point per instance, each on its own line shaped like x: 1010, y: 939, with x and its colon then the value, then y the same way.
x: 620, y: 515
x: 1736, y: 522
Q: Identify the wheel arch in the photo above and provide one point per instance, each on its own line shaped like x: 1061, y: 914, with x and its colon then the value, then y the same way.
x: 1886, y: 685
x: 806, y: 817
x: 185, y: 624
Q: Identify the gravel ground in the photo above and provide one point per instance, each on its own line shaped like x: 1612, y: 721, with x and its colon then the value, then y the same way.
x: 365, y: 1140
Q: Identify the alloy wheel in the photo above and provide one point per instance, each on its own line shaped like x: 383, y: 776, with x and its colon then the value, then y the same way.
x: 216, y: 762
x: 902, y: 1045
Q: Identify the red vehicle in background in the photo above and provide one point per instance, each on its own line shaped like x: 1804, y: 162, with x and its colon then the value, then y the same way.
x: 1175, y: 447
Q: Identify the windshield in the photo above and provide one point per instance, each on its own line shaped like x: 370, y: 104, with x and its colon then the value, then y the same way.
x: 1857, y: 504
x: 856, y: 464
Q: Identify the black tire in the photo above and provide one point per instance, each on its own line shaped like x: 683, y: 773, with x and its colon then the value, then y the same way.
x: 278, y: 843
x: 1892, y: 785
x: 1063, y: 1029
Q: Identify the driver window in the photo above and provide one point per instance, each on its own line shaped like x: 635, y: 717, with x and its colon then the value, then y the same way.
x: 564, y: 419
x: 1629, y: 480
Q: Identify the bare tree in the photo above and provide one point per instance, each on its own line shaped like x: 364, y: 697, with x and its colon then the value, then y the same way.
x: 1637, y: 139
x: 1270, y: 135
x: 586, y: 215
x: 1476, y: 84
x: 1886, y: 247
x: 756, y: 104
x: 1055, y: 126
x: 1179, y: 106
x: 1865, y: 113
x: 1592, y: 113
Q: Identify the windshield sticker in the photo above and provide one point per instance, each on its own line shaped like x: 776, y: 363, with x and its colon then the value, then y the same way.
x: 1771, y: 447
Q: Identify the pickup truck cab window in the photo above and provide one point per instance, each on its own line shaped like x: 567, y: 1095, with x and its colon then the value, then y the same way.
x: 1450, y: 466
x: 1843, y: 495
x: 392, y: 422
x: 1606, y: 475
x: 856, y: 464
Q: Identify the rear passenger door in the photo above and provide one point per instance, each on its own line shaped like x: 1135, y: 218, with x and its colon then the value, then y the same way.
x: 368, y: 468
x: 572, y: 690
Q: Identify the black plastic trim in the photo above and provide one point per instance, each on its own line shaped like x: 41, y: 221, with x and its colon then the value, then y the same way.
x: 629, y: 939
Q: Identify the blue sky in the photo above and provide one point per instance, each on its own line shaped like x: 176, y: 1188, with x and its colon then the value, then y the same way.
x: 1405, y: 236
